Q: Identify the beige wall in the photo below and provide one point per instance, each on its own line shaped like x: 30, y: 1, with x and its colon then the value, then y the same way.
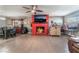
x: 27, y: 22
x: 9, y: 22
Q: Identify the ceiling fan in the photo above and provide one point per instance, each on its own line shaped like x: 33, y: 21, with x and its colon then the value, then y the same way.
x: 34, y: 9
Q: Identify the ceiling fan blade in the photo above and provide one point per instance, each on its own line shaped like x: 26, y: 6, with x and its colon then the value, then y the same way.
x: 39, y: 10
x: 34, y: 7
x: 28, y: 11
x: 26, y: 7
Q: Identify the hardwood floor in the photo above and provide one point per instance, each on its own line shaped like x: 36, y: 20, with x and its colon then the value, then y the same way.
x: 35, y: 44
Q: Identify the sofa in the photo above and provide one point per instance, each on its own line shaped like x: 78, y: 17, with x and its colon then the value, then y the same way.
x: 73, y: 45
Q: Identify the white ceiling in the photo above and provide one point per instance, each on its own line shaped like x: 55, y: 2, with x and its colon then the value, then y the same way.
x: 60, y: 10
x: 52, y: 10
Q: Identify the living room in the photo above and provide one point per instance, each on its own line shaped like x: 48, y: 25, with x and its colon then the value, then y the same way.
x: 38, y: 28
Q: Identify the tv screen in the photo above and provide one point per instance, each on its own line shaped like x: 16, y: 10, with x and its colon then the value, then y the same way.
x: 40, y: 18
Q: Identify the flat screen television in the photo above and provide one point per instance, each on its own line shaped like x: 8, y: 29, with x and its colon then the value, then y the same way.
x: 40, y: 18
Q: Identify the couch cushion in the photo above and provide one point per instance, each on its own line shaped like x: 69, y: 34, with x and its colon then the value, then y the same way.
x: 76, y: 39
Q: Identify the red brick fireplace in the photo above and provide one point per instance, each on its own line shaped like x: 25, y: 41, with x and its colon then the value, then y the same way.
x: 40, y: 25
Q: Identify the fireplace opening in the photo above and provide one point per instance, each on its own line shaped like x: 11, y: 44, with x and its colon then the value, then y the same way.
x: 40, y: 29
